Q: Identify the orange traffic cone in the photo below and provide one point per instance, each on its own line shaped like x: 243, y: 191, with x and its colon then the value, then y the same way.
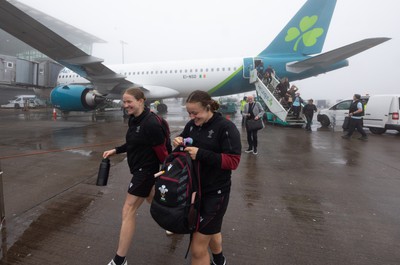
x: 54, y: 114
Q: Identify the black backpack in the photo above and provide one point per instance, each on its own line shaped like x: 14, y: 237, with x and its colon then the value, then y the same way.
x: 176, y: 203
x: 165, y: 127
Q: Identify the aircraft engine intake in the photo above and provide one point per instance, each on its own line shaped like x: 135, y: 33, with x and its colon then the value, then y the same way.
x: 75, y: 98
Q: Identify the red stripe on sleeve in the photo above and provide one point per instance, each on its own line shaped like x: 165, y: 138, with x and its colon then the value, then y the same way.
x: 230, y: 161
x: 161, y: 152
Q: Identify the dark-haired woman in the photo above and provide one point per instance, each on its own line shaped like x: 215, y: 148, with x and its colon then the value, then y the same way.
x: 216, y: 145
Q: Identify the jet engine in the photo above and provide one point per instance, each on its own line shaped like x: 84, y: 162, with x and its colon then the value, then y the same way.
x: 75, y: 98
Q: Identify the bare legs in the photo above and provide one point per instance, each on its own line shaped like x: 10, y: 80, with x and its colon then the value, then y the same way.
x: 216, y: 243
x: 200, y: 244
x: 131, y: 205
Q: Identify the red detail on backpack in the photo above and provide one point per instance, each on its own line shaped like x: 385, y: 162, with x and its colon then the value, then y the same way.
x: 176, y: 203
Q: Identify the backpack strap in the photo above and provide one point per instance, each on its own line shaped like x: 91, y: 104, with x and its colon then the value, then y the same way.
x: 197, y: 188
x: 190, y: 243
x: 159, y: 149
x: 167, y: 133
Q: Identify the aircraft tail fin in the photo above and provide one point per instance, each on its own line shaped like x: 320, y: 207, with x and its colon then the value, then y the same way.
x: 306, y: 32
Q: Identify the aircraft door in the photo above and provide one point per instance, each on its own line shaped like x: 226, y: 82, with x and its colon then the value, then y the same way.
x: 248, y: 66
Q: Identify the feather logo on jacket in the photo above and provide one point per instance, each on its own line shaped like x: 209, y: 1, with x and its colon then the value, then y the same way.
x: 210, y: 133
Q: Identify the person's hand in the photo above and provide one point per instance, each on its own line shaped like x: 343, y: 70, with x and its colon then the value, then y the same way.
x: 192, y: 151
x: 177, y: 141
x: 256, y: 118
x: 109, y: 153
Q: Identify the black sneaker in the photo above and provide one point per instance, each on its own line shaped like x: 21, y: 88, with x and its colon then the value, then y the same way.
x: 363, y: 138
x: 249, y: 150
x: 345, y: 137
x: 255, y: 150
x: 213, y: 263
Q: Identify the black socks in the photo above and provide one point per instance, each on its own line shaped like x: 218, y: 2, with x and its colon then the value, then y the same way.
x: 119, y: 260
x: 218, y: 259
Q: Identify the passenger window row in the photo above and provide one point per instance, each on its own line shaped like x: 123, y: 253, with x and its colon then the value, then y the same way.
x: 201, y: 70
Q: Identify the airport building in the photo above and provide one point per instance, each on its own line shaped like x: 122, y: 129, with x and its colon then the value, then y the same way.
x: 23, y: 66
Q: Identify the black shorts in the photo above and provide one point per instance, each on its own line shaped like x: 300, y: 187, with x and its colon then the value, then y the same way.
x: 141, y: 184
x: 213, y: 208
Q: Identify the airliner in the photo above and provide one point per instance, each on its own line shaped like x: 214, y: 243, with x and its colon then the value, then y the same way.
x: 86, y: 83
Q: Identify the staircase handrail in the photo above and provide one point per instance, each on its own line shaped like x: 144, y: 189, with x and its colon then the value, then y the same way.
x: 270, y: 100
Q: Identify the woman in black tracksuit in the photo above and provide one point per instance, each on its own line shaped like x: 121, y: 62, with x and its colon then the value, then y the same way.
x: 145, y: 148
x: 216, y: 145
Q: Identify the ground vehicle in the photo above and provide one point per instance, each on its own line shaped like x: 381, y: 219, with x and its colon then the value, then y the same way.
x: 20, y: 101
x: 382, y: 113
x: 335, y: 115
x: 228, y: 105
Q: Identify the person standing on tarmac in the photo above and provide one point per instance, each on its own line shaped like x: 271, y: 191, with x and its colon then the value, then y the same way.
x: 252, y: 111
x: 216, y: 145
x: 356, y: 111
x: 243, y: 102
x: 145, y: 148
x: 308, y: 111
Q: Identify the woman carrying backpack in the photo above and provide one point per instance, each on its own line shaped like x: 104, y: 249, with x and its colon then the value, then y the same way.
x: 146, y: 149
x: 217, y: 147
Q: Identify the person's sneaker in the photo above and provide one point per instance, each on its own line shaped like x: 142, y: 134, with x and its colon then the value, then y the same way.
x: 255, y: 151
x: 113, y: 263
x: 169, y: 233
x: 249, y: 150
x: 213, y: 263
x: 345, y: 136
x: 363, y: 138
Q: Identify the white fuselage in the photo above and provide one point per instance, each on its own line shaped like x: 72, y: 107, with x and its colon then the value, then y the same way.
x: 169, y: 79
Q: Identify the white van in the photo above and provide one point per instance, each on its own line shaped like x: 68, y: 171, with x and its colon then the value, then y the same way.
x: 382, y: 113
x: 20, y: 101
x: 335, y: 115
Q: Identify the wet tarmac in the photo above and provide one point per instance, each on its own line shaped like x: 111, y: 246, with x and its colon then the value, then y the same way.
x: 306, y: 198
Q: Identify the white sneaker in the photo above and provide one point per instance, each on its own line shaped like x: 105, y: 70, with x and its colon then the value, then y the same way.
x: 168, y: 232
x: 113, y: 263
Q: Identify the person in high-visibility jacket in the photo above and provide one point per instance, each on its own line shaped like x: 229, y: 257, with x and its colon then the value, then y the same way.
x: 242, y: 104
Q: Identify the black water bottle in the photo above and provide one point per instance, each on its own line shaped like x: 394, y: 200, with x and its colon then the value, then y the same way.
x: 104, y: 170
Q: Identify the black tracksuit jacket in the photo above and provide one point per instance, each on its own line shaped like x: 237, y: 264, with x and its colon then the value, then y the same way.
x: 145, y: 141
x: 219, y: 151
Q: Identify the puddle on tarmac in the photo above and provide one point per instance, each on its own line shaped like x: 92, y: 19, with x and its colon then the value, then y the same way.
x: 81, y: 152
x: 57, y: 216
x: 304, y: 208
x: 338, y: 161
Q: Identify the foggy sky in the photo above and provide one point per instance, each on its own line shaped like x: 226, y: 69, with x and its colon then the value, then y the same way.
x: 158, y: 30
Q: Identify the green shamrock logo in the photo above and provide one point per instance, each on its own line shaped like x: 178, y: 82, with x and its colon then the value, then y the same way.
x: 309, y: 36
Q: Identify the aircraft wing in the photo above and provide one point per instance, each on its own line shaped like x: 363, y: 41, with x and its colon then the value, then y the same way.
x: 329, y: 58
x: 27, y: 29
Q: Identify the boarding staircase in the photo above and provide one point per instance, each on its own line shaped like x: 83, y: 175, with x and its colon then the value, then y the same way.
x: 267, y: 93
